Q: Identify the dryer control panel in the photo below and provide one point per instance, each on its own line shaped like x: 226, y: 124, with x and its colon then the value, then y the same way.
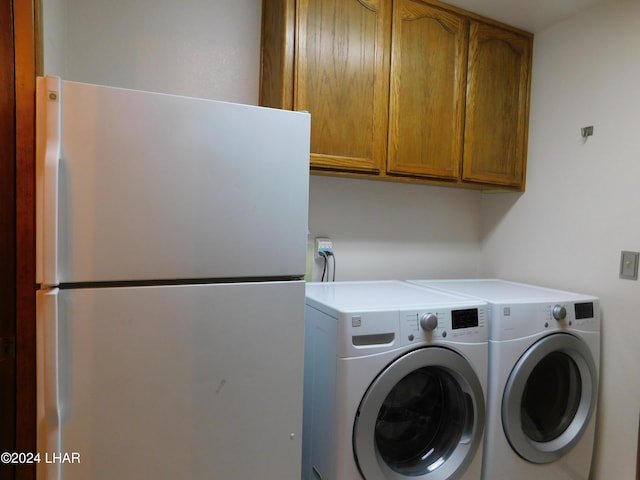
x: 518, y: 320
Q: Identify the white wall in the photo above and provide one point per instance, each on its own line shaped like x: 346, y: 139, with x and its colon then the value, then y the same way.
x: 393, y: 230
x: 582, y: 204
x: 200, y: 48
x: 54, y: 28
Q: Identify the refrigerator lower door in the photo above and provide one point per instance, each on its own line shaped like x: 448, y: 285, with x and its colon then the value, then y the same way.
x: 194, y: 382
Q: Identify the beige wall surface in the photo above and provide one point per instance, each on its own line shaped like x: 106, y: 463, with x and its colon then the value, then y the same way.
x: 198, y: 48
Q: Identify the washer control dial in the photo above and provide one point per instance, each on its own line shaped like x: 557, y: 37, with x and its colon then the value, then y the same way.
x: 428, y: 322
x: 559, y: 312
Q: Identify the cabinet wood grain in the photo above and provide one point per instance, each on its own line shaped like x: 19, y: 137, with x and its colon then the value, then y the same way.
x: 404, y: 90
x: 497, y: 111
x: 428, y: 82
x: 342, y: 79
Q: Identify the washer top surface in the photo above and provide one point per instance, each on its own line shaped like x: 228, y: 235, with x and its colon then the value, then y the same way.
x: 382, y: 295
x: 503, y: 291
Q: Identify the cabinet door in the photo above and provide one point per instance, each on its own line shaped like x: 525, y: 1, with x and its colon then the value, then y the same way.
x: 276, y: 55
x: 428, y: 79
x: 342, y: 78
x: 495, y: 139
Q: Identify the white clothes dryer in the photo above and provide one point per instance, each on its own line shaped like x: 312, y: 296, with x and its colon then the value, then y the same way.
x: 544, y: 357
x: 395, y: 383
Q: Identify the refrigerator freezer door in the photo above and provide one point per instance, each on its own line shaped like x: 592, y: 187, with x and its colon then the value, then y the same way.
x: 154, y: 187
x: 170, y: 382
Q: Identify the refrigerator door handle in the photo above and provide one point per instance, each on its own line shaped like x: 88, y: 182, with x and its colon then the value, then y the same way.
x: 48, y: 401
x: 48, y: 137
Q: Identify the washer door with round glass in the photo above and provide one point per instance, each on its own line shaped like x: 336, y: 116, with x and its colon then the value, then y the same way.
x: 549, y: 398
x: 421, y: 418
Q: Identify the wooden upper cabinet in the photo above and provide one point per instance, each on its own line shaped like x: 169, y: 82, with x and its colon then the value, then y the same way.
x: 428, y: 84
x: 495, y: 141
x: 277, y: 51
x: 402, y: 89
x: 341, y: 77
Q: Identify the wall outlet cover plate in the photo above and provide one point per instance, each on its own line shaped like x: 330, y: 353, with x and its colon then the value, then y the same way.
x: 629, y: 265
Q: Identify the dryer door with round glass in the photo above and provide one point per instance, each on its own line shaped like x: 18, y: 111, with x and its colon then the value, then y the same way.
x: 549, y: 398
x: 421, y: 418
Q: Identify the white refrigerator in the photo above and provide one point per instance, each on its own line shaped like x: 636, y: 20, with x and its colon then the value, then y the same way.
x: 170, y: 315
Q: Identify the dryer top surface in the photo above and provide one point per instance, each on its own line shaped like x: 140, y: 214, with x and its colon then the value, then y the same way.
x: 503, y: 291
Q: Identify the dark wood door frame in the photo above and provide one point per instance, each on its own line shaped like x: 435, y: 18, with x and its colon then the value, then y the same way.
x: 7, y: 239
x: 27, y: 66
x: 19, y: 64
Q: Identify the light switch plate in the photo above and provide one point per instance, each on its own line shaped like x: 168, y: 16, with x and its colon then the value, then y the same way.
x: 629, y: 265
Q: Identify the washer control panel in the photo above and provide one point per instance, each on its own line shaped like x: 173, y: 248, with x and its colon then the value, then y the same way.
x: 440, y: 324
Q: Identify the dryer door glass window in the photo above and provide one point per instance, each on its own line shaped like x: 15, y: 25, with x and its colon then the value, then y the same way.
x: 421, y: 421
x: 551, y: 397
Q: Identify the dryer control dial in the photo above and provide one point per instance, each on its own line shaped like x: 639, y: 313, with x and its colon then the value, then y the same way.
x: 428, y: 322
x: 559, y: 312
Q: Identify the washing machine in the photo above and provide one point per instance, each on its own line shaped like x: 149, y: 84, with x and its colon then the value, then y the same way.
x: 395, y: 383
x: 544, y: 363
